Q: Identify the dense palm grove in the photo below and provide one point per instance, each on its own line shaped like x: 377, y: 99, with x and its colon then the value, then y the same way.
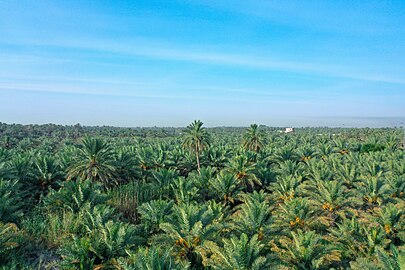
x: 195, y: 198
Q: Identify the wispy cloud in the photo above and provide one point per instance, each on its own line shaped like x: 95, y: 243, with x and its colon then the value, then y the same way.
x: 161, y: 51
x: 148, y: 93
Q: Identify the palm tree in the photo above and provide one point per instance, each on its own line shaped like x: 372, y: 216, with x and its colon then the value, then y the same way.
x: 74, y: 195
x: 225, y: 187
x: 397, y: 186
x: 306, y: 153
x: 373, y: 190
x: 94, y: 161
x: 151, y: 259
x: 306, y: 250
x: 196, y: 138
x: 253, y: 139
x: 319, y: 171
x: 218, y: 156
x: 290, y: 167
x: 324, y: 150
x: 348, y: 173
x: 286, y: 187
x: 201, y: 180
x: 285, y: 153
x: 10, y: 241
x: 163, y: 179
x: 294, y: 214
x: 392, y: 218
x: 360, y: 236
x: 332, y: 197
x: 192, y: 227
x: 99, y: 247
x: 239, y: 254
x: 48, y: 173
x: 151, y: 156
x: 21, y: 168
x: 254, y: 215
x: 396, y: 262
x: 127, y: 167
x: 184, y: 190
x: 349, y: 232
x: 10, y: 201
x: 154, y: 213
x: 244, y: 171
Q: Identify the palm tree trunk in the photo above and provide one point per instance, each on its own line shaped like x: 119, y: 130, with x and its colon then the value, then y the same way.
x: 198, y: 158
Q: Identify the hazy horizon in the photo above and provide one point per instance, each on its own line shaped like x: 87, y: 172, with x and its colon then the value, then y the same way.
x: 329, y: 122
x: 166, y: 63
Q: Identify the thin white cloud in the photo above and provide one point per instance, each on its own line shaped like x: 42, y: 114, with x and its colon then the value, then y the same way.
x: 147, y: 94
x: 160, y: 51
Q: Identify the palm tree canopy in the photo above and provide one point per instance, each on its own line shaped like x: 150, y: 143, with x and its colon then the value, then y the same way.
x: 196, y: 136
x: 253, y: 138
x: 94, y: 160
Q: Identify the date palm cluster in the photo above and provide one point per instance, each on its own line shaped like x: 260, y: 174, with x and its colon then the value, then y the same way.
x: 201, y: 198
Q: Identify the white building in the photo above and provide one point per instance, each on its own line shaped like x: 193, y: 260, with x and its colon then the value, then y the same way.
x: 289, y: 130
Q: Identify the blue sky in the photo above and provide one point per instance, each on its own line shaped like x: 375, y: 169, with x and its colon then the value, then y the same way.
x: 166, y: 63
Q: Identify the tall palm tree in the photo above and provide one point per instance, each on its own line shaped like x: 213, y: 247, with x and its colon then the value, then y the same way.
x: 196, y: 138
x: 94, y: 161
x: 253, y: 139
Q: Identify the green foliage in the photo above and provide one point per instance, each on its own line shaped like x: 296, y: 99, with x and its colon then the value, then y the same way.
x: 188, y: 231
x: 10, y: 201
x: 94, y: 161
x: 47, y: 173
x: 239, y: 253
x: 369, y: 147
x: 244, y: 171
x: 253, y: 138
x: 394, y: 262
x: 225, y: 187
x: 154, y: 213
x: 253, y: 216
x: 127, y: 197
x: 151, y: 259
x: 196, y: 138
x: 73, y: 195
x: 306, y: 250
x: 201, y: 198
x: 10, y: 241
